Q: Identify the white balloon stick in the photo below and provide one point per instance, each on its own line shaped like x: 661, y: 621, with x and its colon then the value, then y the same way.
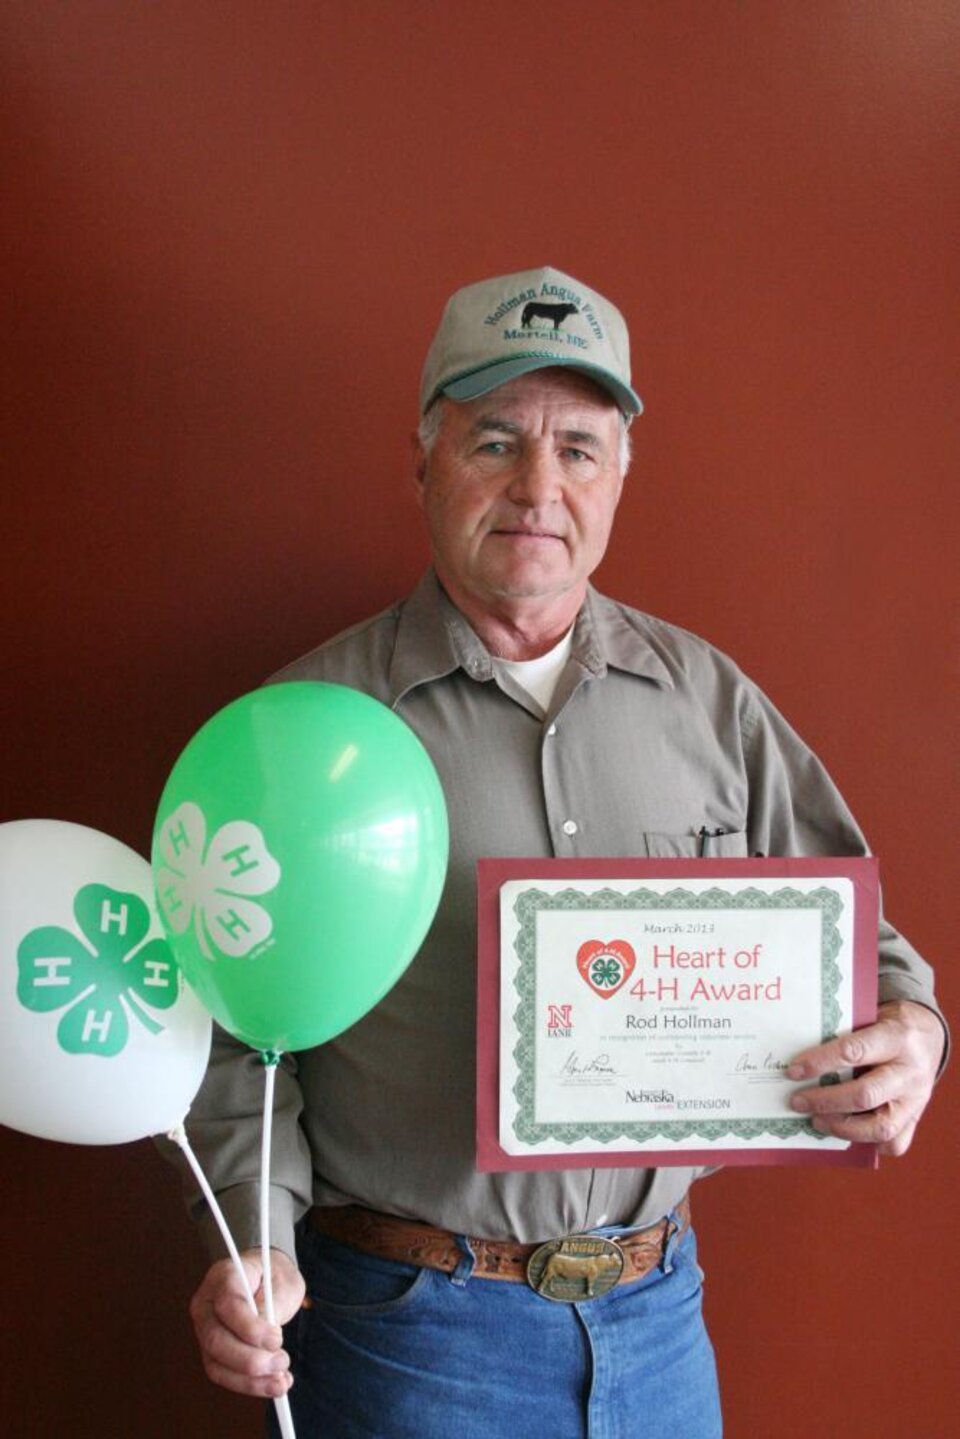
x: 179, y: 1137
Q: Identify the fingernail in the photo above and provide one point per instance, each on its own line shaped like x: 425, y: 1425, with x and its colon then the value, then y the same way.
x: 795, y: 1071
x: 800, y: 1103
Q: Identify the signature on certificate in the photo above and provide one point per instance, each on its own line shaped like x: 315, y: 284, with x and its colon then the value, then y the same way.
x: 576, y: 1068
x: 759, y: 1068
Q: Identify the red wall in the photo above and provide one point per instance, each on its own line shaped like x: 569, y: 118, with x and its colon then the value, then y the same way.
x: 230, y: 229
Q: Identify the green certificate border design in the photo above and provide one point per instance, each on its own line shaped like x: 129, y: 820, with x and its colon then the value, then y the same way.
x: 532, y: 901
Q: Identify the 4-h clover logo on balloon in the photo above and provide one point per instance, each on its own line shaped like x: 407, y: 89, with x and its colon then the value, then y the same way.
x: 606, y: 967
x: 103, y: 980
x: 210, y: 884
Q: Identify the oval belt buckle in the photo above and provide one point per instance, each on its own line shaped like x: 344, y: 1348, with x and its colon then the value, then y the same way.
x: 571, y: 1270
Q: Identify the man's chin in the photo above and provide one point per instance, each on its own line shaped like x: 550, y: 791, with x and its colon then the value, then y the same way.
x: 531, y: 587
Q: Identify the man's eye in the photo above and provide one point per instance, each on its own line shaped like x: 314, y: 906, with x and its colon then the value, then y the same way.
x: 572, y: 453
x: 492, y: 447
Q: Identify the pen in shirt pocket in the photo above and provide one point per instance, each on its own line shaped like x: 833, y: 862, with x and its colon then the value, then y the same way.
x: 705, y: 835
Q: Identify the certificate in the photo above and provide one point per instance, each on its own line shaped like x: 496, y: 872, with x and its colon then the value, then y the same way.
x: 644, y: 1012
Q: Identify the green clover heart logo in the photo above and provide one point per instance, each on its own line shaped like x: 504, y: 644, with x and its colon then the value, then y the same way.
x: 102, y: 981
x: 606, y: 966
x: 210, y: 884
x: 606, y: 973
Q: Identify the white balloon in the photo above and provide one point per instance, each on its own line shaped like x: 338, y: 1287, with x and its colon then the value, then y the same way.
x: 101, y: 1041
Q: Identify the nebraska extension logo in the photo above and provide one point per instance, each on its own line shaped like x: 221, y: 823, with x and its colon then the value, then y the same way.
x: 606, y: 965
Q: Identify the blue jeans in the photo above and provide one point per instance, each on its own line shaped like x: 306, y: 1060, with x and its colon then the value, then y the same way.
x: 390, y: 1351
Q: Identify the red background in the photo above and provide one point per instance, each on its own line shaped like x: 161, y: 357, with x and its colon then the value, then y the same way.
x: 228, y: 232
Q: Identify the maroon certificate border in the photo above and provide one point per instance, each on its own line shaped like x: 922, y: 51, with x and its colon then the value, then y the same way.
x: 493, y: 873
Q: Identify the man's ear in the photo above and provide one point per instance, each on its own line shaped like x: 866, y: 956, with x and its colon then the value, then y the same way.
x: 419, y: 455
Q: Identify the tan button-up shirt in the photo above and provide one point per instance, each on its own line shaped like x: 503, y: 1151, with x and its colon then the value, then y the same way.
x: 651, y: 735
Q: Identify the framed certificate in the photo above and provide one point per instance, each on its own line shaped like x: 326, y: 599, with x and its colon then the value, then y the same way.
x: 643, y: 1012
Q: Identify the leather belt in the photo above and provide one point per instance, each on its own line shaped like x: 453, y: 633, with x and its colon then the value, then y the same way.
x: 573, y: 1268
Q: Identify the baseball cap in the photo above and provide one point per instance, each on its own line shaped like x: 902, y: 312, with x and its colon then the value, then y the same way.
x: 495, y: 330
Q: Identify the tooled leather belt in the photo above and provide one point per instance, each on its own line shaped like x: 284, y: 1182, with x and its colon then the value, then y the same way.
x: 572, y: 1269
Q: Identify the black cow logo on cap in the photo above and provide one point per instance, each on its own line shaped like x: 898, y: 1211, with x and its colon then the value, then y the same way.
x: 542, y: 311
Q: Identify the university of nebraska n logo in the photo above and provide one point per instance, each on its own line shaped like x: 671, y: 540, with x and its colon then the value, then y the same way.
x: 559, y: 1021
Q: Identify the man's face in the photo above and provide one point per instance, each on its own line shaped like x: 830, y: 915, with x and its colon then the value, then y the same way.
x: 520, y: 489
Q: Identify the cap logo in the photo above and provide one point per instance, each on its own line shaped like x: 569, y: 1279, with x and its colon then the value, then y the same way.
x: 554, y: 305
x: 556, y: 313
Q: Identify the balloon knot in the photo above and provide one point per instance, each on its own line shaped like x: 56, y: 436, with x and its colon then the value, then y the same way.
x: 270, y: 1057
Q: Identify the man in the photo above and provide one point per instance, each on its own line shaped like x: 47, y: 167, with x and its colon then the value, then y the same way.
x: 561, y: 723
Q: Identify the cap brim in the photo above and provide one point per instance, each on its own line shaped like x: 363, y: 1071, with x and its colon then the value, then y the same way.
x: 490, y: 377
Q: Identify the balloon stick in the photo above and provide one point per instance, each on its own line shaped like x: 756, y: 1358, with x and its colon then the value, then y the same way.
x: 271, y: 1059
x: 179, y: 1137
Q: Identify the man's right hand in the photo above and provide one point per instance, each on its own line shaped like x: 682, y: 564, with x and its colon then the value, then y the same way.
x: 241, y: 1350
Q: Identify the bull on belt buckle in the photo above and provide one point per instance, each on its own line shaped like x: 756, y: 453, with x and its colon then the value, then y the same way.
x: 571, y: 1270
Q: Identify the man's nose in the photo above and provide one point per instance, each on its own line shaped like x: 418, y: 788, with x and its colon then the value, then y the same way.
x: 536, y: 478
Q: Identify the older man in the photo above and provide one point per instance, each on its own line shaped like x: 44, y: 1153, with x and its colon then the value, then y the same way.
x: 562, y: 724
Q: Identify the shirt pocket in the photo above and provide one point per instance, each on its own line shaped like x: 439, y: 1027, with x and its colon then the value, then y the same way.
x: 728, y: 845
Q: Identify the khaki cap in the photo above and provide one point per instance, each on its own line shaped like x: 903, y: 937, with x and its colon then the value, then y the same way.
x: 498, y: 329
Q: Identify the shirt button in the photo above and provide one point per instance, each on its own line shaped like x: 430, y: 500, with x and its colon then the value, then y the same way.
x: 552, y: 730
x: 570, y: 826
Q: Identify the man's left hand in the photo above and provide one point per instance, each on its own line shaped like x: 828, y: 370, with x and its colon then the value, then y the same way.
x: 898, y: 1057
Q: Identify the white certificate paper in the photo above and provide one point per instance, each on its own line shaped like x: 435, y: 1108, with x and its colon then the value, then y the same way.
x: 649, y: 1017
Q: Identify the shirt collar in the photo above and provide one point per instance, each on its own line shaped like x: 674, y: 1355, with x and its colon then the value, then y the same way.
x: 434, y: 640
x: 609, y: 636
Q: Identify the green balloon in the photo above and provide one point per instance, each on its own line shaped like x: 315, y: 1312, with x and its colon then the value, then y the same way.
x: 299, y: 855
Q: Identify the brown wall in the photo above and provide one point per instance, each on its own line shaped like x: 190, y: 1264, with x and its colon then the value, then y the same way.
x: 229, y: 229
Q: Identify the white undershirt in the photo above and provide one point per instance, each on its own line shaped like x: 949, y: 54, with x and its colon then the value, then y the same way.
x: 539, y: 677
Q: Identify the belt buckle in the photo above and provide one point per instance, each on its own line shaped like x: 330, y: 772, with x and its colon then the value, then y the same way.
x: 575, y: 1269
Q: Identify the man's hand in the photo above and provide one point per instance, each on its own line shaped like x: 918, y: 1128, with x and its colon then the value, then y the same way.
x: 899, y: 1056
x: 241, y: 1350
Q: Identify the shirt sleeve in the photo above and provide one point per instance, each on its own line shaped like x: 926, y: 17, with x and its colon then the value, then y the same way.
x: 795, y: 809
x: 224, y: 1128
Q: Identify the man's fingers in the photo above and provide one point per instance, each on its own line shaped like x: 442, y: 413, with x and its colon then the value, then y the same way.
x: 230, y: 1323
x: 251, y: 1369
x: 288, y: 1287
x: 876, y: 1044
x: 904, y: 1032
x: 891, y: 1129
x: 221, y: 1300
x: 868, y: 1091
x: 885, y: 1126
x: 241, y: 1350
x: 896, y: 1059
x: 902, y: 1142
x: 265, y: 1386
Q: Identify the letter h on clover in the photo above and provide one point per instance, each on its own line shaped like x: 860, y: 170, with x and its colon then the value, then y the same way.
x: 209, y: 883
x: 101, y: 981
